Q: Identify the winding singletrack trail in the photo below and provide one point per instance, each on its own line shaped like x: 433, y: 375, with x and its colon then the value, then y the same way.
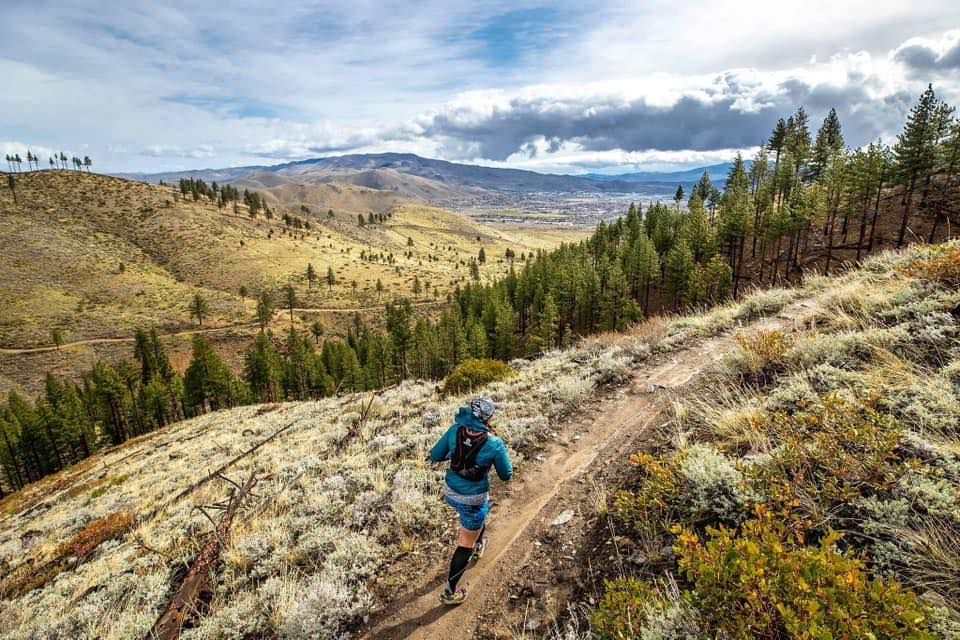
x: 532, y: 503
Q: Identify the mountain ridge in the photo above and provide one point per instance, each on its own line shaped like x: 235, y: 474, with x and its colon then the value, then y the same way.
x: 462, y: 175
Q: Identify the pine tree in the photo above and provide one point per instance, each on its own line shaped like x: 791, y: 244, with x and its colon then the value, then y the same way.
x: 317, y: 329
x: 947, y: 190
x: 828, y: 145
x: 109, y: 392
x: 546, y: 328
x: 698, y: 232
x: 398, y: 326
x: 680, y: 266
x: 702, y: 189
x: 735, y: 217
x: 263, y: 369
x: 265, y: 308
x: 208, y: 383
x: 331, y: 279
x: 311, y: 275
x: 648, y: 269
x: 199, y: 308
x: 678, y: 196
x: 416, y: 286
x: 915, y: 152
x: 290, y: 299
x: 57, y: 336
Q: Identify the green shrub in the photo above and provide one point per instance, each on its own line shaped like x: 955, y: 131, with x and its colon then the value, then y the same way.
x: 474, y: 373
x: 829, y: 456
x: 696, y: 486
x: 634, y: 609
x: 765, y: 583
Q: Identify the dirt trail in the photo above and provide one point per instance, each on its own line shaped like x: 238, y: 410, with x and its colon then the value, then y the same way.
x: 532, y: 503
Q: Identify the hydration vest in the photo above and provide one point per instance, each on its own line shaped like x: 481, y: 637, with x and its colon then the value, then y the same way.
x: 464, y: 458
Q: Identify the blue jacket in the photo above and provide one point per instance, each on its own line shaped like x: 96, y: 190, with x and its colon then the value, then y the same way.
x: 494, y: 453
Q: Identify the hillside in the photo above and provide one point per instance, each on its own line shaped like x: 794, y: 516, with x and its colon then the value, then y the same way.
x: 444, y: 183
x: 790, y: 414
x: 96, y: 257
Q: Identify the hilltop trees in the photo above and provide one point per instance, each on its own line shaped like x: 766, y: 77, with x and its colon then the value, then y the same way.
x: 916, y: 151
x: 56, y: 161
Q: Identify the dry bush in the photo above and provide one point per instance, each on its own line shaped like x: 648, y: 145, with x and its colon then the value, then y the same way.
x: 942, y: 266
x: 475, y: 373
x: 98, y: 532
x: 761, y: 355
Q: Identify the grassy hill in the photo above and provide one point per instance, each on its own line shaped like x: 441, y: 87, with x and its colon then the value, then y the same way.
x: 760, y: 429
x: 97, y: 257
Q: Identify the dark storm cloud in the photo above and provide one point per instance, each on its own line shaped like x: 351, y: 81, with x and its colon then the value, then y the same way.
x: 736, y: 116
x: 923, y: 56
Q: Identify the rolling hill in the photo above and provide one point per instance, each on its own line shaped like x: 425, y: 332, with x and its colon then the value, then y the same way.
x: 97, y: 256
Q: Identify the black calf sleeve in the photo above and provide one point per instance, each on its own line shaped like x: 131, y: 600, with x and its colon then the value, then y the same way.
x: 458, y: 564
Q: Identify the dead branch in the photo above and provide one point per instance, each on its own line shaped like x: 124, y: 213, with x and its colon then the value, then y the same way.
x: 197, y: 580
x: 213, y: 474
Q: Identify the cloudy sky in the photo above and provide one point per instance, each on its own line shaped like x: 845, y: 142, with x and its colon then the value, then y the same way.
x: 562, y: 86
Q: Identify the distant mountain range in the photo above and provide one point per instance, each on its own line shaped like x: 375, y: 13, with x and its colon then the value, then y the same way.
x: 459, y: 174
x: 439, y: 181
x: 717, y: 173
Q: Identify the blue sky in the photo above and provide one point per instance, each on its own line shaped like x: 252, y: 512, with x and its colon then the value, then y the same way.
x: 551, y: 86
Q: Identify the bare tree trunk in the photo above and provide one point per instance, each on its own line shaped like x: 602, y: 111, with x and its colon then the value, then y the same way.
x: 907, y: 202
x: 863, y: 233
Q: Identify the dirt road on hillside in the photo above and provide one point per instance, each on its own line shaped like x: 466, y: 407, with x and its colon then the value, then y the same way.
x: 531, y: 504
x: 193, y: 332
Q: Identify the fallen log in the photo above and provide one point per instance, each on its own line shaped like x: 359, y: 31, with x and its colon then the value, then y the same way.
x: 197, y: 581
